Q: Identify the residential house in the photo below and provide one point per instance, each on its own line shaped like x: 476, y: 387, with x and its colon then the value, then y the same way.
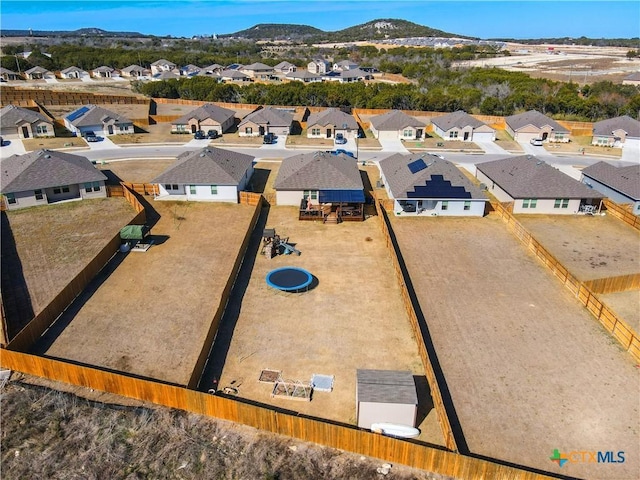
x: 617, y: 132
x: 9, y: 75
x: 37, y: 73
x: 319, y: 66
x: 396, y: 124
x: 536, y: 187
x: 190, y: 70
x: 266, y: 120
x: 326, y: 123
x: 73, y: 73
x: 524, y: 127
x: 207, y: 175
x: 211, y: 69
x: 135, y: 71
x: 258, y: 70
x: 233, y: 76
x: 162, y: 65
x: 103, y: 72
x: 285, y: 67
x: 304, y: 76
x: 205, y: 118
x: 234, y: 66
x: 620, y: 184
x: 633, y: 79
x: 462, y: 126
x: 427, y: 185
x: 168, y: 75
x: 323, y: 186
x: 348, y: 76
x: 91, y: 118
x: 46, y: 176
x: 18, y: 122
x: 343, y: 65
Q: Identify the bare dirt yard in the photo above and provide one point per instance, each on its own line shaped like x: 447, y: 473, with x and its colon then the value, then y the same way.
x: 148, y: 313
x: 353, y: 318
x: 54, y: 243
x: 589, y: 246
x: 135, y: 171
x: 528, y: 368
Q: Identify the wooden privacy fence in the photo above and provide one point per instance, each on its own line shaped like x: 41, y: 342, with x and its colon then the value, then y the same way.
x: 622, y: 283
x: 343, y: 437
x: 142, y: 188
x: 616, y: 326
x: 15, y: 95
x: 250, y: 198
x: 623, y: 214
x: 436, y: 396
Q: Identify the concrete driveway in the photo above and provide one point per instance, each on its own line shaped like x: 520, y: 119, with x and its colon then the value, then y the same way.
x: 104, y: 144
x: 393, y: 145
x: 631, y: 153
x: 281, y: 143
x: 491, y: 147
x: 531, y: 150
x: 11, y: 146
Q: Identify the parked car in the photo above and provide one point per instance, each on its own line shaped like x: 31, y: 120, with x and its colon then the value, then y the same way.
x: 211, y: 134
x: 345, y: 152
x: 269, y: 138
x: 536, y: 142
x: 340, y: 140
x: 91, y: 137
x: 199, y: 135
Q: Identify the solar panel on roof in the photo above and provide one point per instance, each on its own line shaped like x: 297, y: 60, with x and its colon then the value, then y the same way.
x: 348, y: 196
x: 417, y: 165
x: 78, y: 113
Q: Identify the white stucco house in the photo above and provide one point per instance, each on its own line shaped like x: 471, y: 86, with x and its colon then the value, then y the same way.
x: 102, y: 122
x: 42, y: 177
x: 620, y: 184
x: 536, y: 187
x: 396, y: 124
x: 462, y: 126
x: 207, y: 175
x: 73, y: 72
x: 422, y: 184
x: 526, y: 126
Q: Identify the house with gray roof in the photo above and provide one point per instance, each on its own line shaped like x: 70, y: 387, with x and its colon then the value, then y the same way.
x: 103, y: 72
x: 427, y: 185
x: 135, y: 71
x: 632, y: 79
x: 266, y: 120
x: 285, y: 67
x: 536, y: 187
x: 620, y: 184
x: 348, y: 76
x: 46, y: 176
x: 9, y: 75
x: 257, y: 70
x: 386, y: 396
x: 168, y: 75
x: 616, y: 132
x: 462, y: 126
x: 18, y: 122
x: 325, y: 187
x: 396, y: 124
x: 230, y: 75
x: 162, y: 65
x: 211, y: 70
x: 73, y: 72
x: 206, y: 117
x: 524, y: 127
x: 319, y: 65
x: 37, y: 73
x: 345, y: 65
x: 91, y: 118
x: 326, y: 123
x: 207, y: 175
x: 304, y: 76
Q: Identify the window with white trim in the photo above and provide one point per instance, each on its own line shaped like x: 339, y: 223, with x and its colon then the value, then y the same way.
x: 192, y: 189
x: 312, y: 194
x: 38, y: 194
x: 315, y: 131
x: 214, y: 189
x: 453, y: 134
x: 248, y: 130
x: 11, y: 198
x: 467, y: 205
x: 445, y: 205
x: 41, y: 129
x: 529, y: 202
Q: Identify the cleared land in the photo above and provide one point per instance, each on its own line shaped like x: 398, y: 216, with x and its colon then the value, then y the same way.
x: 352, y: 319
x: 135, y: 171
x: 148, y: 313
x: 528, y: 368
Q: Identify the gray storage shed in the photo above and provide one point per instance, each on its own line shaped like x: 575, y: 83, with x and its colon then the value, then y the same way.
x: 386, y: 396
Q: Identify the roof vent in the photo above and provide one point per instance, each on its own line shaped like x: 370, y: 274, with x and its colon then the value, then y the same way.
x: 202, y: 155
x: 47, y: 156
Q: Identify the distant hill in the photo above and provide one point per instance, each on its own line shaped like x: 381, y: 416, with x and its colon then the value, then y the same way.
x: 277, y: 31
x: 82, y: 32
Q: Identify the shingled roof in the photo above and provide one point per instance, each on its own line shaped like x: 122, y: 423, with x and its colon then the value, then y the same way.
x: 12, y: 116
x: 625, y: 122
x: 625, y: 180
x: 209, y: 166
x: 318, y: 171
x: 458, y: 119
x: 208, y: 110
x: 528, y: 177
x: 535, y: 118
x: 89, y: 115
x: 269, y: 116
x: 332, y: 116
x: 46, y: 169
x: 386, y: 386
x: 421, y: 175
x: 395, y: 120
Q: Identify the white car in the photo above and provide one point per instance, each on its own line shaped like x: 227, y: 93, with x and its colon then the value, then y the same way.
x: 536, y: 142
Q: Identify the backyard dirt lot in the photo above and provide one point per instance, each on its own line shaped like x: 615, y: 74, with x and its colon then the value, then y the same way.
x: 528, y: 368
x: 135, y: 171
x: 626, y: 305
x: 149, y: 312
x: 55, y: 242
x: 352, y: 319
x: 589, y: 246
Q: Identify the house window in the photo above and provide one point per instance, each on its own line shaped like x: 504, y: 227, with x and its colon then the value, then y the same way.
x: 192, y: 189
x: 559, y: 136
x: 315, y: 131
x: 529, y: 202
x: 453, y: 134
x: 561, y: 203
x: 96, y: 186
x: 181, y: 128
x: 88, y: 187
x: 167, y: 186
x: 11, y: 198
x: 248, y: 130
x: 59, y: 190
x: 445, y: 205
x: 123, y: 128
x: 174, y: 186
x: 312, y: 194
x: 41, y: 129
x: 407, y: 133
x: 467, y: 205
x: 214, y: 189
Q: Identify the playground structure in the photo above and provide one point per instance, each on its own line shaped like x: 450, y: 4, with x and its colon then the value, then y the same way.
x: 273, y: 244
x: 289, y: 279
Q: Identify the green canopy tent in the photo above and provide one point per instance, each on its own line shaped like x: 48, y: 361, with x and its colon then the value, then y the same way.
x: 134, y: 232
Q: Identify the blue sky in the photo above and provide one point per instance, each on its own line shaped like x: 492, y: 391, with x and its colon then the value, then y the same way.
x: 485, y: 19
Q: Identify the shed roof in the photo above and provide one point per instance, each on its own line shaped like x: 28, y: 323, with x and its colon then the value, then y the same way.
x: 208, y: 110
x: 606, y: 127
x: 459, y: 119
x: 386, y: 386
x: 332, y: 116
x: 535, y: 118
x: 625, y: 180
x: 318, y: 171
x: 269, y: 116
x: 89, y: 115
x: 395, y: 120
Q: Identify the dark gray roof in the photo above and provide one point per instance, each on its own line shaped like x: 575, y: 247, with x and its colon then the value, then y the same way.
x: 166, y: 75
x: 7, y: 71
x: 332, y: 116
x: 458, y: 119
x: 395, y: 120
x: 635, y: 76
x: 209, y: 166
x: 103, y: 68
x: 402, y: 182
x: 257, y: 66
x: 354, y: 73
x: 162, y: 61
x: 625, y: 180
x: 269, y: 116
x: 303, y: 74
x: 36, y: 69
x: 625, y: 122
x: 95, y: 115
x: 318, y: 171
x: 132, y: 68
x: 535, y: 118
x: 71, y: 69
x: 528, y: 177
x: 233, y: 74
x: 11, y: 116
x: 386, y: 386
x: 208, y: 110
x: 283, y: 65
x: 46, y: 169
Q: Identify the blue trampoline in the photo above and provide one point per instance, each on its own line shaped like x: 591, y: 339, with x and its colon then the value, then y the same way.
x: 289, y: 279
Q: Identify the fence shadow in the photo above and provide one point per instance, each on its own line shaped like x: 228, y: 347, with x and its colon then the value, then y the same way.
x: 425, y: 402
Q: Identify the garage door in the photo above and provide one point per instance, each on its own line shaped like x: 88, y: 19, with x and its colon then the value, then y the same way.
x: 526, y: 137
x: 388, y: 135
x: 483, y: 137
